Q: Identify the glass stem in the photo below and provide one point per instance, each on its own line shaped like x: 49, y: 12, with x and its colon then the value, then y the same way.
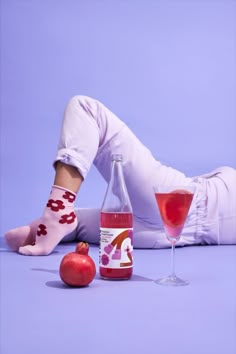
x: 172, y: 260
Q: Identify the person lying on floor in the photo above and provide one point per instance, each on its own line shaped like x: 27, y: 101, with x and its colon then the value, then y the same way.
x: 90, y: 134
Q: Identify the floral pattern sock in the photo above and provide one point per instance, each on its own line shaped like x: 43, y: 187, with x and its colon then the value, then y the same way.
x: 58, y: 220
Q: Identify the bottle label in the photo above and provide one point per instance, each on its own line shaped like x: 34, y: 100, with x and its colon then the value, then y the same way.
x: 116, y: 248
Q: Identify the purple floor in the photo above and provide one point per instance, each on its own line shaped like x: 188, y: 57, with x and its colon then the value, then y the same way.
x: 39, y: 315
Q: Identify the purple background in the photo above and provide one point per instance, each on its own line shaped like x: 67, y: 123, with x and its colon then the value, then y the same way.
x: 168, y: 68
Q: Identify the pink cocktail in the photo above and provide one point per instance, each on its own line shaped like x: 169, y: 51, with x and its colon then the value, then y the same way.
x: 174, y: 203
x: 174, y: 207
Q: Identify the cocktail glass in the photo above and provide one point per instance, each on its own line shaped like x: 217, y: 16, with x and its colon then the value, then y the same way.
x: 174, y: 203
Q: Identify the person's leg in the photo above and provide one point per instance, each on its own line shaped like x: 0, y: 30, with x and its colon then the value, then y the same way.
x: 84, y: 131
x: 91, y: 132
x: 81, y: 134
x: 67, y: 176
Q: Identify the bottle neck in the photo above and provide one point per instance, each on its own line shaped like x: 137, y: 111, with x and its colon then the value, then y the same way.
x: 117, y: 198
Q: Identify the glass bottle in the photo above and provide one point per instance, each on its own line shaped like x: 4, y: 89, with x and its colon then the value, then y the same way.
x: 116, y: 227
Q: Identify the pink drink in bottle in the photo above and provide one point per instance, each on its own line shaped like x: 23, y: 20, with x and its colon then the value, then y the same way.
x: 116, y: 227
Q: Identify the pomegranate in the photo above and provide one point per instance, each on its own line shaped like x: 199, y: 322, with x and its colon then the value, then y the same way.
x: 78, y: 268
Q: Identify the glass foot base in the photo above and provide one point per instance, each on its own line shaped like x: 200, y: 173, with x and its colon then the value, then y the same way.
x: 171, y: 280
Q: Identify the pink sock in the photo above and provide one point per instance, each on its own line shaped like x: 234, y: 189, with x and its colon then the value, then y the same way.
x: 21, y: 236
x: 58, y: 220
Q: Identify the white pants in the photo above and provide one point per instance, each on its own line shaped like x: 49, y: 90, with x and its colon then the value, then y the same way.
x: 91, y: 133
